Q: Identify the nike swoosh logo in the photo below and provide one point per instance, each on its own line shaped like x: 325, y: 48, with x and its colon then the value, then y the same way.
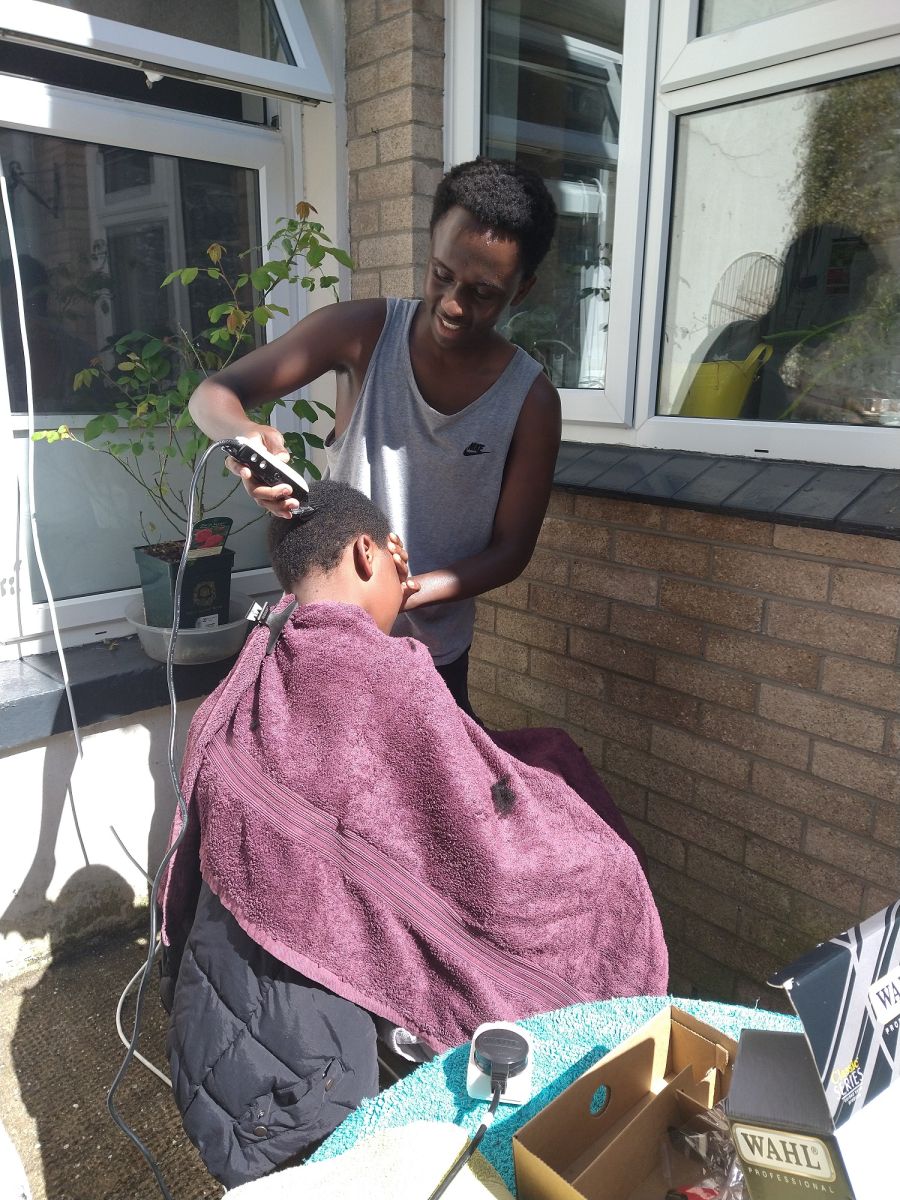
x: 469, y: 451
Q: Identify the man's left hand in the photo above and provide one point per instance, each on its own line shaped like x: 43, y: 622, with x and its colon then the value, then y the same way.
x: 401, y: 560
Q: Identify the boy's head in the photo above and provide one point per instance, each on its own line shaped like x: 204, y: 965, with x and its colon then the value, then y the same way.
x: 504, y: 198
x: 340, y: 552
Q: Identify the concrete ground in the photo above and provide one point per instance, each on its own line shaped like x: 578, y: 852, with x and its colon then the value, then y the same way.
x: 59, y: 1052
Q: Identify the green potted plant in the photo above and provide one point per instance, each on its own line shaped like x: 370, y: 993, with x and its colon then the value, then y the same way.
x: 143, y: 384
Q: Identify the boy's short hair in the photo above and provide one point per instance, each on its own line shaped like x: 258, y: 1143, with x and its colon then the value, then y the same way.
x: 503, y: 196
x: 317, y: 542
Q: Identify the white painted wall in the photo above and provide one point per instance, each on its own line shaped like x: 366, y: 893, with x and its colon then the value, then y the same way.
x: 63, y: 875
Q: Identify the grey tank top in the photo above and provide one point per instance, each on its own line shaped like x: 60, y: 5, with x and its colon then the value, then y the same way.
x: 437, y: 477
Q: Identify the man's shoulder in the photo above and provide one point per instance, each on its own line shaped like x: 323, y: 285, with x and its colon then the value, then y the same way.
x: 542, y: 398
x: 356, y: 315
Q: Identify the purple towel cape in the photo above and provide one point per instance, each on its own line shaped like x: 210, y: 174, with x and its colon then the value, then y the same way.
x: 365, y: 831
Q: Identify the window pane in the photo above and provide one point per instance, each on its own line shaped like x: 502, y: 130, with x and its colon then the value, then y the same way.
x: 719, y: 15
x: 249, y: 26
x: 783, y: 295
x: 125, y: 83
x: 552, y: 99
x: 97, y: 228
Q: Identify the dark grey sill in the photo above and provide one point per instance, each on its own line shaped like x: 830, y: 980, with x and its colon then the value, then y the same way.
x: 107, y: 681
x: 845, y: 499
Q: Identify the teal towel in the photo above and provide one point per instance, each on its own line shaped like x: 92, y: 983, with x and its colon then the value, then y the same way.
x: 566, y: 1043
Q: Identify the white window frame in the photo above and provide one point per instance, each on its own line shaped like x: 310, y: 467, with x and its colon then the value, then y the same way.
x: 38, y: 108
x: 837, y: 53
x: 37, y: 23
x: 612, y: 405
x: 821, y: 42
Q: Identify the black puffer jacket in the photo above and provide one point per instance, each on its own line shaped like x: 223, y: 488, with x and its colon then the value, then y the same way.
x: 263, y: 1061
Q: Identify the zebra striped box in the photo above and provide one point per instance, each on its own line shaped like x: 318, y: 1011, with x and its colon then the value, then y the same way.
x: 819, y: 1112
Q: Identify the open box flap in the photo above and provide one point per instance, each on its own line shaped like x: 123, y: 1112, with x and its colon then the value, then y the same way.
x: 847, y: 994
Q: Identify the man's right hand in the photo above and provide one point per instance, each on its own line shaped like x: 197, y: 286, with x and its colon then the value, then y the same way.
x: 279, y: 501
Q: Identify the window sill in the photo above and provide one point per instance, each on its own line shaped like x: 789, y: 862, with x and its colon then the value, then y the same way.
x: 107, y: 681
x: 844, y: 499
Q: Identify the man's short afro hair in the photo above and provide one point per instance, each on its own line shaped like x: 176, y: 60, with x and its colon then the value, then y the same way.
x: 318, y: 541
x: 505, y: 197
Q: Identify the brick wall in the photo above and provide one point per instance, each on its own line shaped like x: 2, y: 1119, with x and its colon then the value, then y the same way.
x: 395, y: 116
x: 737, y: 685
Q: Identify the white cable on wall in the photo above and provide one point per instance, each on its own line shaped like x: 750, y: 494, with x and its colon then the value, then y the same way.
x: 32, y: 512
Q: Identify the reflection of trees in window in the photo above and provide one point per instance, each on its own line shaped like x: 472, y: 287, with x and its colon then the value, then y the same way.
x: 849, y: 181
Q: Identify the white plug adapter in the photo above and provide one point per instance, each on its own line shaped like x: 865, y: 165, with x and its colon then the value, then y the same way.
x: 509, y: 1046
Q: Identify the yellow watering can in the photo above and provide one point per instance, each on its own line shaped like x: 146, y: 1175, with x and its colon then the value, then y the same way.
x: 719, y: 389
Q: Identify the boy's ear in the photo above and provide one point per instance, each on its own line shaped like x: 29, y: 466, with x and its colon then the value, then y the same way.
x: 364, y: 556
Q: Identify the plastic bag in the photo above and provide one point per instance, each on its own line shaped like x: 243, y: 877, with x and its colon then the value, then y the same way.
x: 706, y: 1141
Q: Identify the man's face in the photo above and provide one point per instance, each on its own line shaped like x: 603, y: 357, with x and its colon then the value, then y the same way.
x: 473, y: 274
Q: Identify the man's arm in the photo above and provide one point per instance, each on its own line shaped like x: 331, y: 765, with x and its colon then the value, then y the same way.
x: 524, y: 495
x: 339, y: 337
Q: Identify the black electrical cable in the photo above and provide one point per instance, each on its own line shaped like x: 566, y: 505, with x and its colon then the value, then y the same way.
x: 157, y: 879
x: 466, y: 1153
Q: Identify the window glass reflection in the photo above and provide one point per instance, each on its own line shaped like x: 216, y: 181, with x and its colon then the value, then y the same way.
x: 553, y: 87
x: 718, y: 15
x: 97, y: 229
x: 249, y: 26
x: 783, y: 295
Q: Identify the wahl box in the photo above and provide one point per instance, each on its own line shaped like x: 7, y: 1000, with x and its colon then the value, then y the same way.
x: 818, y: 1113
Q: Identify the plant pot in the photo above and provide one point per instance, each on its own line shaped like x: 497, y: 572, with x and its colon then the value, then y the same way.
x: 193, y: 646
x: 205, y: 588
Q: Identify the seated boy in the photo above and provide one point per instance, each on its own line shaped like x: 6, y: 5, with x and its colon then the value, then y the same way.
x: 358, y: 827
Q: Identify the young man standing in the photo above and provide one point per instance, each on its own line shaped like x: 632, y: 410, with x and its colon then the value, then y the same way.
x: 445, y: 424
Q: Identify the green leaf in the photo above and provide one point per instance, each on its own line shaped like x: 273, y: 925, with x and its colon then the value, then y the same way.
x: 137, y: 449
x: 184, y: 420
x: 279, y: 269
x: 40, y: 435
x: 94, y: 427
x: 126, y: 339
x: 126, y: 366
x: 278, y: 308
x: 312, y: 469
x: 241, y: 280
x: 168, y: 279
x: 261, y: 315
x: 313, y: 439
x: 183, y: 385
x: 110, y: 424
x: 260, y: 279
x: 328, y: 281
x: 151, y: 349
x: 315, y: 254
x: 189, y: 274
x: 341, y: 255
x: 324, y: 408
x: 219, y: 311
x: 214, y: 272
x: 304, y: 409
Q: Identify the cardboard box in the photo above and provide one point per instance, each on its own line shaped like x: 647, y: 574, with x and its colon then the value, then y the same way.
x: 599, y: 1139
x: 819, y: 1112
